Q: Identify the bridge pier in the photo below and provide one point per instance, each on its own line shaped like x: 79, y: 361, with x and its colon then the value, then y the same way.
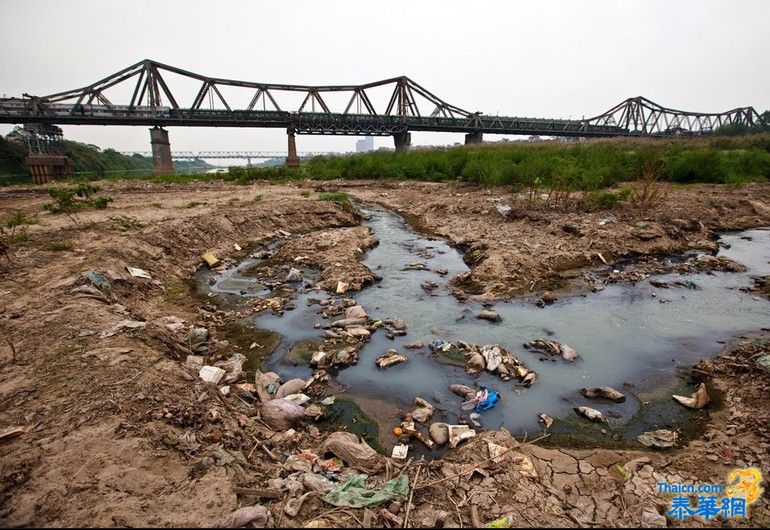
x: 475, y: 137
x: 292, y: 160
x: 161, y: 151
x: 402, y: 141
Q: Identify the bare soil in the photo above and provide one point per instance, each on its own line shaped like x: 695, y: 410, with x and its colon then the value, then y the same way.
x: 123, y: 433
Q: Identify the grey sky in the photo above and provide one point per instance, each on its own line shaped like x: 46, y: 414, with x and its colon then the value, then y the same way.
x: 536, y: 58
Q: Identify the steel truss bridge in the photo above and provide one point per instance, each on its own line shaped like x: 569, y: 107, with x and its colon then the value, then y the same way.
x: 410, y: 107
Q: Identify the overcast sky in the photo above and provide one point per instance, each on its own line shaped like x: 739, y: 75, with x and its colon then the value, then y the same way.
x: 535, y: 58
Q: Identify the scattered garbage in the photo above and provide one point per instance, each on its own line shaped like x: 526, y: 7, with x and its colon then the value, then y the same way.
x: 458, y: 434
x: 233, y: 368
x: 194, y: 361
x: 545, y: 420
x: 267, y: 385
x: 442, y: 271
x: 492, y: 358
x: 605, y: 392
x: 196, y: 340
x: 342, y: 287
x: 408, y: 429
x: 490, y: 316
x: 503, y: 522
x: 424, y: 411
x: 211, y: 374
x: 553, y: 347
x: 13, y: 432
x: 281, y: 414
x: 474, y: 417
x: 255, y: 516
x: 357, y: 454
x: 120, y: 326
x: 291, y: 386
x: 400, y: 451
x: 173, y: 324
x: 389, y: 358
x: 416, y: 266
x: 355, y: 494
x: 503, y: 209
x: 138, y: 273
x: 697, y: 400
x: 662, y: 438
x: 210, y: 259
x: 591, y: 414
x: 298, y: 399
x: 295, y: 275
x: 484, y: 399
x: 763, y: 361
x: 607, y: 220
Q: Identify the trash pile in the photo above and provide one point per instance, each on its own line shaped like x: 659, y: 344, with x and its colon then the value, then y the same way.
x: 495, y: 359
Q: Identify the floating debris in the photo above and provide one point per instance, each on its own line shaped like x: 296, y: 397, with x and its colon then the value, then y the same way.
x: 591, y: 414
x: 662, y: 438
x: 553, y: 347
x: 697, y: 400
x: 605, y: 392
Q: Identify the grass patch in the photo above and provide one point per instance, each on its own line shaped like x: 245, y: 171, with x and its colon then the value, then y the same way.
x: 305, y: 193
x: 334, y: 196
x: 193, y: 204
x: 58, y: 245
x: 258, y: 197
x: 125, y: 223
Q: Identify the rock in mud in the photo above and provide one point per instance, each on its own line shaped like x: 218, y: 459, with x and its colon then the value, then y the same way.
x: 342, y: 287
x: 211, y: 374
x: 661, y: 439
x: 490, y: 316
x: 549, y: 297
x: 357, y: 454
x: 416, y: 345
x: 591, y: 414
x: 463, y: 391
x: 389, y: 358
x: 399, y: 325
x: 605, y: 392
x: 545, y: 420
x: 356, y: 312
x: 442, y: 271
x: 475, y: 363
x: 697, y: 400
x: 358, y: 332
x: 439, y: 432
x: 349, y: 322
x: 295, y: 275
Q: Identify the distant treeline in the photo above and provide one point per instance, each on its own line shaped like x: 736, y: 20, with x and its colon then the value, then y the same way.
x: 88, y: 161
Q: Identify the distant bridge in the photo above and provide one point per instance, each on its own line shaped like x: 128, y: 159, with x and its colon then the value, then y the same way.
x: 245, y: 155
x: 141, y: 95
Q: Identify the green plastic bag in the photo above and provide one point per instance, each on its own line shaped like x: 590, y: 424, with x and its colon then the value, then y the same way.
x: 355, y: 494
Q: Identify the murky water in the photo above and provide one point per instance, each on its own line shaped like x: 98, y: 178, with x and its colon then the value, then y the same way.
x: 622, y: 333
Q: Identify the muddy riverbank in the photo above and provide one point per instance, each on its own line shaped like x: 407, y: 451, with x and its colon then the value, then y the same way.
x: 121, y: 432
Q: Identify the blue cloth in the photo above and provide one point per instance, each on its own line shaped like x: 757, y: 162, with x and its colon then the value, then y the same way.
x: 491, y: 401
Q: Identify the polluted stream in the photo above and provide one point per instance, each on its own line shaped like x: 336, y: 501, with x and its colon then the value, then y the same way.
x: 636, y: 338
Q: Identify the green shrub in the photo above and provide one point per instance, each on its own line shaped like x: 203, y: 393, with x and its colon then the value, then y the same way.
x: 74, y: 199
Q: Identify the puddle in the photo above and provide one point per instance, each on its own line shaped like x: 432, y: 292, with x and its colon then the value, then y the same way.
x: 622, y: 333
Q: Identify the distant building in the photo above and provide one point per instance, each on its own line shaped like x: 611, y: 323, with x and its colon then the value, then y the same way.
x: 365, y: 144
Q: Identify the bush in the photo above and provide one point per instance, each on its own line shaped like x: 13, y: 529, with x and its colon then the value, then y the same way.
x: 75, y: 199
